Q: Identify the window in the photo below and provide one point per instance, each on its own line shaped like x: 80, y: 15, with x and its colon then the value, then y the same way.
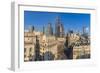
x: 24, y: 50
x: 30, y: 49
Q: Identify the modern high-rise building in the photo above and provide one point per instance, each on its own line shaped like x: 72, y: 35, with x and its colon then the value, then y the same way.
x: 84, y: 29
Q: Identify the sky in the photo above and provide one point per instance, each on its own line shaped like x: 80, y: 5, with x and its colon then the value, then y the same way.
x: 70, y: 21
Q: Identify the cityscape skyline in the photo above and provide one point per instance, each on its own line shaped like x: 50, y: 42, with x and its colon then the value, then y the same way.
x: 56, y: 36
x: 70, y: 21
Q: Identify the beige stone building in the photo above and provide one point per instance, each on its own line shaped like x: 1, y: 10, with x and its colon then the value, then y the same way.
x: 79, y: 51
x: 51, y: 47
x: 47, y: 44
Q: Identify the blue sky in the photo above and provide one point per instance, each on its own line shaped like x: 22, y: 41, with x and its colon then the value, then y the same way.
x: 73, y: 21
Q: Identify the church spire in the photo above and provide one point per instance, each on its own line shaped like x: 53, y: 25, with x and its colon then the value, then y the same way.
x: 49, y: 29
x: 59, y: 29
x: 43, y: 30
